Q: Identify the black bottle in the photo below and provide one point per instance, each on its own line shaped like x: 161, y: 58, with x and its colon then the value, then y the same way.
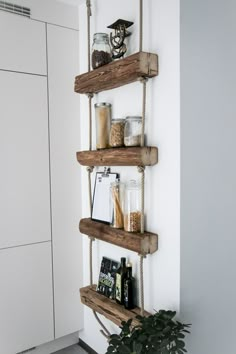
x: 120, y: 276
x: 129, y: 289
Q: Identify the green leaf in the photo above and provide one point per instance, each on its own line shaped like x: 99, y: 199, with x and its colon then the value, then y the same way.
x: 123, y: 349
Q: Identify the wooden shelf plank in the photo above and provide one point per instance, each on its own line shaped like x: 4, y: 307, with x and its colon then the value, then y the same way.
x: 118, y: 73
x: 107, y: 307
x: 128, y: 156
x: 146, y: 243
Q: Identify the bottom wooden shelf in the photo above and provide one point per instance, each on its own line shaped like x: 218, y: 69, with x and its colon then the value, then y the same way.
x: 107, y: 307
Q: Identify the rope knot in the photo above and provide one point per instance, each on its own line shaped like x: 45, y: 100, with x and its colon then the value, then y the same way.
x: 90, y: 95
x: 143, y: 79
x: 141, y: 169
x: 90, y: 169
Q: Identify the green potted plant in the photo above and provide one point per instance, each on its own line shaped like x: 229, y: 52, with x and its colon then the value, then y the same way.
x: 155, y: 334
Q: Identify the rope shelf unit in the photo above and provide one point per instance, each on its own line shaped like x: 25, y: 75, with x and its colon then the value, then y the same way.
x: 137, y: 67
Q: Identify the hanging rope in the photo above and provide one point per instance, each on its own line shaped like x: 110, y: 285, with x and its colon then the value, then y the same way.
x: 89, y: 14
x: 141, y: 286
x: 140, y: 25
x: 104, y: 331
x: 143, y: 81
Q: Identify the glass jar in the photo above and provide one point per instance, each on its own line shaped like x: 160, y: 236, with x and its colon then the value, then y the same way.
x: 133, y: 131
x: 132, y: 211
x: 101, y: 50
x: 117, y: 133
x: 103, y: 123
x: 117, y: 204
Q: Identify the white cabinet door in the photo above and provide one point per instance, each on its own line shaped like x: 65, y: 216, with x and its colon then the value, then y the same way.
x: 24, y: 157
x: 26, y: 304
x: 23, y: 44
x: 65, y: 174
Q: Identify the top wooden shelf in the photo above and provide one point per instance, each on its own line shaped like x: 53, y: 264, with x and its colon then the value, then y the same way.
x: 118, y: 73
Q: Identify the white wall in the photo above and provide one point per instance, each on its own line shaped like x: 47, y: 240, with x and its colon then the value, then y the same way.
x: 208, y: 174
x: 161, y: 35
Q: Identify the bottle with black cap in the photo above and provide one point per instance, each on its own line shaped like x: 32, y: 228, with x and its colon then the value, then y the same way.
x: 129, y: 289
x: 120, y: 276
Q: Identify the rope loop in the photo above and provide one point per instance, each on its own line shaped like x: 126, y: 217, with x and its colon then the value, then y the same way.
x: 89, y: 169
x: 90, y: 95
x: 141, y: 169
x: 143, y: 79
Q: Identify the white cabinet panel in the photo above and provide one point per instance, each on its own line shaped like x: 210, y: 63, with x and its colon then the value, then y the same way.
x: 23, y: 44
x: 26, y: 305
x: 24, y: 177
x: 65, y: 174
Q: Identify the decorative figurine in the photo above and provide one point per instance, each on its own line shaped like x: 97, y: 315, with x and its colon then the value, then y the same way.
x: 118, y: 46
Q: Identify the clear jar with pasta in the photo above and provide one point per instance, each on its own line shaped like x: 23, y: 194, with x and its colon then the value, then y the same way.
x: 103, y: 124
x: 132, y: 211
x: 117, y: 204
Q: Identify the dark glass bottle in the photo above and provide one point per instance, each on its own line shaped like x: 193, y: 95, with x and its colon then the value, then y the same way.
x: 120, y: 276
x: 129, y: 289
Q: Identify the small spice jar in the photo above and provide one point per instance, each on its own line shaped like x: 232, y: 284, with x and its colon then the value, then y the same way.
x: 103, y: 123
x: 101, y: 50
x: 132, y: 211
x: 117, y: 132
x: 117, y: 204
x: 133, y: 131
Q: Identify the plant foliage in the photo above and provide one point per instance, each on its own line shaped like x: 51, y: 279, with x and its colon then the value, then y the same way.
x: 155, y: 334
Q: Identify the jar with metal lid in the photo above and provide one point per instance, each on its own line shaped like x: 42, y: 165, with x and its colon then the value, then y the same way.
x: 133, y: 131
x: 132, y: 209
x: 103, y: 123
x: 117, y: 204
x: 117, y: 132
x: 101, y: 50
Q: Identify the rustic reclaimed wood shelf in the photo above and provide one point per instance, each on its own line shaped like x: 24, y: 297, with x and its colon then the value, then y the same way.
x: 107, y: 307
x: 146, y: 243
x: 129, y: 156
x: 118, y: 73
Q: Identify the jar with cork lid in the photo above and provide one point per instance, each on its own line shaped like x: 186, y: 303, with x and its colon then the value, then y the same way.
x: 103, y: 124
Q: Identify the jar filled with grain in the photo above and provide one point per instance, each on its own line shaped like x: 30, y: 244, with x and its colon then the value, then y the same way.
x: 101, y: 50
x: 117, y: 133
x: 103, y: 124
x: 133, y: 131
x: 132, y: 211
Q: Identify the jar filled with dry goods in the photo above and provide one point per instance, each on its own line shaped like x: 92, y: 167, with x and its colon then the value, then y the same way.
x: 117, y: 133
x: 103, y: 124
x: 101, y: 50
x: 117, y: 204
x: 132, y: 211
x: 133, y: 131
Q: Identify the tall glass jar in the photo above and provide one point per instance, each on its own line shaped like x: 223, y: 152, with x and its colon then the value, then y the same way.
x: 132, y: 211
x: 133, y: 131
x: 101, y: 50
x: 103, y: 124
x: 117, y: 133
x: 117, y: 204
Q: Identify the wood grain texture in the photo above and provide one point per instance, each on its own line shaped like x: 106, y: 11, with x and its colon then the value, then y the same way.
x: 108, y: 308
x: 118, y: 73
x: 133, y: 156
x: 146, y: 243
